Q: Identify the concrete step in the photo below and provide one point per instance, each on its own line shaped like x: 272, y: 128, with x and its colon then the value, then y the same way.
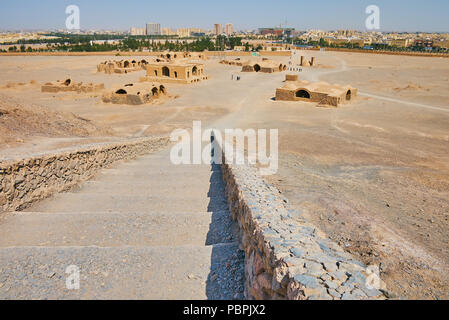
x: 149, y: 175
x: 116, y: 229
x: 160, y: 163
x: 138, y: 202
x: 195, y: 272
x: 161, y: 188
x: 143, y: 229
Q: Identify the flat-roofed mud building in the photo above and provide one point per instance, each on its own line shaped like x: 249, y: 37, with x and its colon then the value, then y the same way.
x: 183, y: 55
x: 70, y: 86
x: 135, y: 94
x: 264, y: 66
x: 236, y: 62
x: 122, y: 66
x: 322, y: 93
x: 175, y: 72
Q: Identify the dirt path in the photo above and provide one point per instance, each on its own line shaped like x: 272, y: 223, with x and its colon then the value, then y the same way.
x: 409, y: 103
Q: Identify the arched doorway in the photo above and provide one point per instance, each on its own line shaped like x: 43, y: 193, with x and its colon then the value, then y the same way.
x: 126, y: 64
x: 162, y: 89
x: 194, y: 70
x: 256, y: 68
x: 348, y: 95
x: 302, y: 94
x: 166, y: 71
x: 155, y: 92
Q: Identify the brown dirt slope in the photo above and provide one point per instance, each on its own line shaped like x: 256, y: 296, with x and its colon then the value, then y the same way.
x: 19, y: 122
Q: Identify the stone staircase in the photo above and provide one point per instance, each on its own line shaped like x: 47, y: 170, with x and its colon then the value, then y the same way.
x: 144, y: 229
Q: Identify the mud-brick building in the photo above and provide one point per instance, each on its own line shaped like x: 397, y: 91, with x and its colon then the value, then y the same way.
x: 69, y: 85
x: 322, y: 93
x: 264, y: 66
x: 175, y: 72
x: 122, y: 66
x: 135, y: 94
x: 183, y: 55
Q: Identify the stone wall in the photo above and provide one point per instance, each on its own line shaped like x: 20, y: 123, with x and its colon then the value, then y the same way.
x: 25, y: 181
x: 285, y: 95
x: 287, y: 257
x: 291, y: 77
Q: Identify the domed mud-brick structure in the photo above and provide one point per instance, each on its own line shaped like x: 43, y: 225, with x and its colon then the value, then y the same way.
x: 323, y: 93
x: 135, y: 94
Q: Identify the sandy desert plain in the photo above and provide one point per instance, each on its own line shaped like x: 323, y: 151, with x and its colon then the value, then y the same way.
x: 373, y: 174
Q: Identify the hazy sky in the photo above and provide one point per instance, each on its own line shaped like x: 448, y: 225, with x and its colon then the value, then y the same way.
x: 396, y: 15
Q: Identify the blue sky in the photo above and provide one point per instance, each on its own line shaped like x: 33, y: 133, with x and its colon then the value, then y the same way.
x: 396, y: 15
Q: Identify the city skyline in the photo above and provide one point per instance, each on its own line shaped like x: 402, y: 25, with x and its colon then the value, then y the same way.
x: 415, y: 16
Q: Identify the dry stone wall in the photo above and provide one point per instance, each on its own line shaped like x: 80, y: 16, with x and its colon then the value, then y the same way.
x: 287, y: 257
x: 25, y: 181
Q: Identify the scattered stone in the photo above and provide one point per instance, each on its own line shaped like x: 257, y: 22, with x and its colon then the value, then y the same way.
x: 326, y: 277
x: 307, y: 281
x: 370, y: 292
x: 334, y: 293
x: 348, y: 296
x: 330, y: 267
x: 338, y: 275
x: 297, y: 252
x: 331, y: 284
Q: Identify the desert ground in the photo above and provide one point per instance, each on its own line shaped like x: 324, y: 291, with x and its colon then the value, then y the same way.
x: 373, y: 175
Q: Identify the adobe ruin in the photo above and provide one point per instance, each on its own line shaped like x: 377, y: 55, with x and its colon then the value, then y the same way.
x: 122, y: 66
x: 264, y: 66
x: 236, y: 62
x: 291, y: 77
x: 69, y: 85
x: 175, y: 72
x: 135, y: 94
x: 298, y: 60
x: 323, y: 93
x: 170, y: 56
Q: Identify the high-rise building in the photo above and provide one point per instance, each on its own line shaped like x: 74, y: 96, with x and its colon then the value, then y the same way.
x: 153, y: 29
x: 229, y: 29
x: 218, y: 29
x: 183, y: 32
x: 137, y: 31
x: 168, y: 32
